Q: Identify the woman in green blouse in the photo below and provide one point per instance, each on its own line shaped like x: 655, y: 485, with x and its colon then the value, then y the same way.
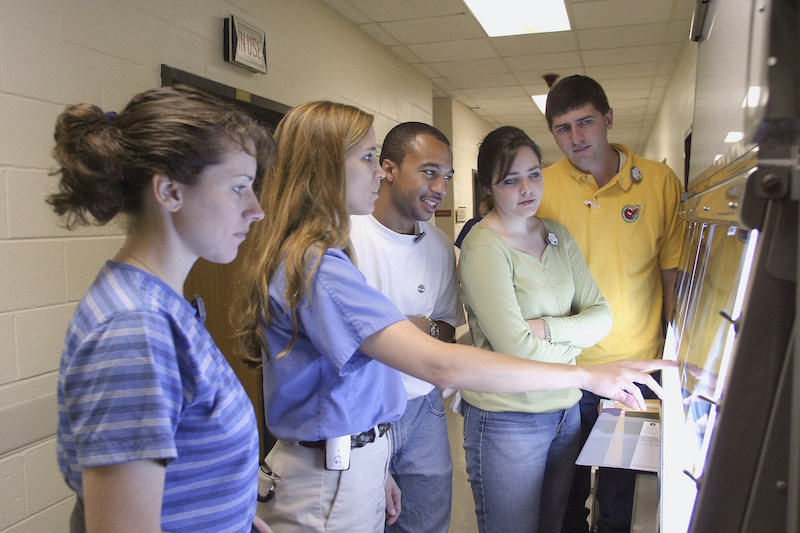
x: 529, y: 293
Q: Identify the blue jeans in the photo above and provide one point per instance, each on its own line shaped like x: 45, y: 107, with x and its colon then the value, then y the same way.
x: 520, y: 466
x: 422, y: 467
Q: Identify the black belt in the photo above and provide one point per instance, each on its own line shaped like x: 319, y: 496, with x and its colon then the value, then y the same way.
x: 356, y: 441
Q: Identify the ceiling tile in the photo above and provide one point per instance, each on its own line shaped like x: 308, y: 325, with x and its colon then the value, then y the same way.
x: 389, y: 10
x: 504, y: 103
x: 536, y: 121
x: 528, y: 109
x: 548, y: 62
x: 619, y: 36
x: 536, y: 77
x: 405, y: 54
x: 605, y: 13
x: 498, y: 92
x: 379, y: 34
x: 633, y: 54
x: 443, y: 83
x: 616, y: 95
x: 434, y: 29
x: 453, y: 50
x: 426, y: 69
x: 348, y: 11
x: 621, y: 71
x: 643, y: 83
x: 483, y: 81
x: 492, y: 65
x: 539, y: 43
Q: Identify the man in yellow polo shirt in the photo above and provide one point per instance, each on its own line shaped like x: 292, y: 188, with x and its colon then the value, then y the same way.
x: 622, y: 211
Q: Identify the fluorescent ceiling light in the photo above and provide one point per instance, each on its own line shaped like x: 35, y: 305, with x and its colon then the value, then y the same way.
x: 734, y: 137
x: 541, y: 101
x: 515, y: 17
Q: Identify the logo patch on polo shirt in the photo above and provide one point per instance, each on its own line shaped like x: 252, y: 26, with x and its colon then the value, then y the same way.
x: 631, y: 212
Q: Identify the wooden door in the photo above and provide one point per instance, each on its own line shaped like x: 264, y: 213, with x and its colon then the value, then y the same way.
x: 214, y: 283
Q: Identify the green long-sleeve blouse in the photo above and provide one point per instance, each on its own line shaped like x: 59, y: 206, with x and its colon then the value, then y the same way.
x: 503, y: 287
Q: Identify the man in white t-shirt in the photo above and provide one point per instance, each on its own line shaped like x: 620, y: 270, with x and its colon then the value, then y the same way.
x: 413, y: 263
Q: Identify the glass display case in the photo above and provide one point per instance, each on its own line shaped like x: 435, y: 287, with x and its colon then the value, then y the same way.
x: 712, y: 279
x: 725, y: 416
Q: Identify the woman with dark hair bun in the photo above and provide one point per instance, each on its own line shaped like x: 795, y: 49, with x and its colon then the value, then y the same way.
x: 155, y: 433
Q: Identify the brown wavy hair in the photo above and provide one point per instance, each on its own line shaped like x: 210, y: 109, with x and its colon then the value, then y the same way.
x: 304, y: 198
x: 105, y: 161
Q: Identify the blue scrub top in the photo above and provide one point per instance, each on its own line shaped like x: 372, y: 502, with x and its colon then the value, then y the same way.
x: 325, y: 387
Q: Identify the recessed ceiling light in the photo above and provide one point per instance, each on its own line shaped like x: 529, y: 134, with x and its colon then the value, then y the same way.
x: 516, y: 17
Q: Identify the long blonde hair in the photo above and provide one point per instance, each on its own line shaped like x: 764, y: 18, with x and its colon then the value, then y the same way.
x: 304, y: 198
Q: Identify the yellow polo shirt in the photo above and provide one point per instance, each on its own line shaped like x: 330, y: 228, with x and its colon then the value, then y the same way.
x: 629, y: 231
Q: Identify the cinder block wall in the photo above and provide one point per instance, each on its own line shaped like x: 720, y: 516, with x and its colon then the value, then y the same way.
x: 56, y: 52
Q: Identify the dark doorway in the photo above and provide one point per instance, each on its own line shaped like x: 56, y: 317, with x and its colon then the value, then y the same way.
x: 477, y: 194
x: 214, y: 282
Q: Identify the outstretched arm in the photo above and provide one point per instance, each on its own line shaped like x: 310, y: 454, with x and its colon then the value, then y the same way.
x: 404, y: 347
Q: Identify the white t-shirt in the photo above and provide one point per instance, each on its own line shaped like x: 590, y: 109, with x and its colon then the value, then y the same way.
x: 417, y: 275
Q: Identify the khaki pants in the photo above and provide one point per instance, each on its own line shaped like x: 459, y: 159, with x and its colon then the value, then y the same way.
x: 309, y: 498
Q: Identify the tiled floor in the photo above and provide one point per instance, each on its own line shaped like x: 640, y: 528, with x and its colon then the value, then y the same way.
x: 462, y: 515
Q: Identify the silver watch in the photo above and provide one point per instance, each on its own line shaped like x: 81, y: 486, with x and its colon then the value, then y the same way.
x: 434, y: 328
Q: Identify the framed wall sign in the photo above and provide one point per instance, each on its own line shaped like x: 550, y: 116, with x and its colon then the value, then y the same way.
x: 245, y: 45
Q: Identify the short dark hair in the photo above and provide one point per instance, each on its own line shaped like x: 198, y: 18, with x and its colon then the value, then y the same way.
x: 498, y: 151
x: 573, y: 92
x: 399, y: 140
